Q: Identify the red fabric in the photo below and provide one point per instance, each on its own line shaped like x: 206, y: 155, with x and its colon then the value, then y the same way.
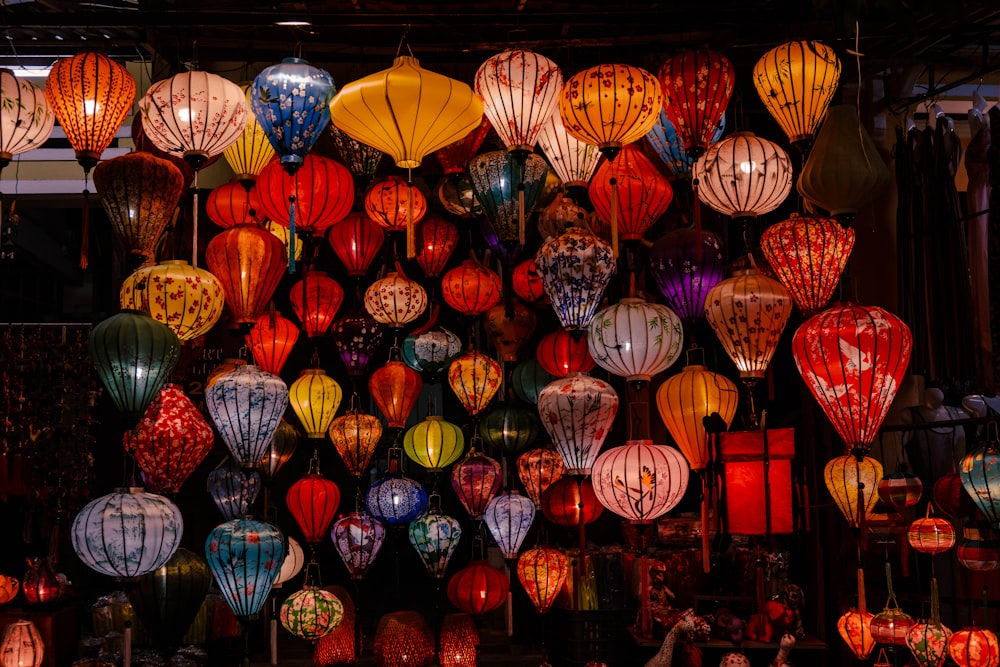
x: 697, y: 85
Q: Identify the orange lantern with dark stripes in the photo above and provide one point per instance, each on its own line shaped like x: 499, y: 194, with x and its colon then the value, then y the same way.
x: 436, y: 240
x: 570, y: 501
x: 631, y: 192
x: 357, y: 240
x: 471, y: 288
x: 393, y: 203
x: 248, y: 261
x: 542, y: 572
x: 231, y: 204
x: 319, y: 195
x: 395, y: 388
x: 271, y: 341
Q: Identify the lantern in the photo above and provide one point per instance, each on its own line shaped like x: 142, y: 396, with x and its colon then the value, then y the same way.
x: 338, y: 647
x: 669, y: 147
x: 509, y: 333
x: 403, y: 639
x: 697, y: 85
x: 539, y: 469
x: 357, y: 240
x: 629, y: 194
x: 291, y: 102
x: 928, y: 643
x: 189, y: 300
x: 456, y: 155
x: 170, y: 441
x: 315, y: 397
x: 26, y: 122
x: 294, y: 560
x: 435, y: 538
x: 686, y: 266
x: 134, y: 355
x: 394, y: 204
x: 315, y: 300
x: 527, y: 283
x: 459, y: 641
x: 395, y: 300
x: 40, y: 584
x: 127, y: 533
x: 757, y: 472
x: 21, y: 645
x: 355, y: 435
x: 139, y: 193
x: 743, y: 176
x: 685, y: 399
x: 571, y: 502
x: 640, y: 481
x: 560, y: 354
x: 542, y: 572
x: 476, y: 479
x: 436, y: 240
x: 396, y: 500
x: 564, y: 212
x: 250, y: 153
x: 808, y: 255
x: 478, y: 588
x: 796, y: 81
x: 245, y: 557
x: 248, y: 261
x: 231, y: 204
x: 233, y: 489
x: 361, y: 159
x: 855, y: 629
x: 931, y: 535
x: 311, y: 613
x: 635, y: 339
x: 357, y: 337
x: 281, y: 448
x: 434, y: 443
x: 510, y: 427
x: 246, y: 405
x: 313, y: 502
x: 227, y: 365
x: 317, y: 196
x: 475, y: 378
x: 575, y: 269
x: 573, y: 160
x: 891, y: 625
x: 974, y: 647
x: 609, y: 106
x: 167, y: 599
x: 8, y: 588
x: 853, y: 484
x: 578, y: 411
x: 508, y: 517
x: 529, y: 378
x: 900, y: 489
x: 395, y: 388
x: 853, y: 359
x: 978, y: 471
x: 358, y: 538
x: 271, y: 341
x: 979, y: 551
x: 431, y: 351
x: 508, y: 189
x: 471, y: 288
x: 519, y: 90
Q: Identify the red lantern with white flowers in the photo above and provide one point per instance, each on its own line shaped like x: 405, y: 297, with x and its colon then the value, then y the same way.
x: 697, y: 85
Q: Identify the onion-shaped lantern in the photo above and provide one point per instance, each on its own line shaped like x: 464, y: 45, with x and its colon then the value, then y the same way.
x: 315, y: 300
x: 578, y: 411
x: 313, y: 501
x: 538, y: 469
x: 271, y: 341
x: 928, y: 640
x: 475, y: 378
x: 478, y: 588
x: 315, y: 397
x: 358, y: 539
x: 395, y: 388
x: 528, y: 380
x: 686, y: 266
x: 743, y: 176
x: 669, y: 147
x: 575, y: 269
x: 573, y: 160
x: 640, y: 481
x: 508, y: 517
x: 629, y: 194
x: 355, y: 436
x: 250, y: 153
x: 560, y: 354
x: 245, y: 557
x: 246, y: 405
x: 279, y: 451
x: 396, y: 500
x: 853, y: 483
x: 571, y: 502
x: 510, y: 427
x: 527, y: 283
x: 697, y: 85
x: 509, y: 331
x: 127, y: 533
x: 8, y: 588
x: 21, y: 644
x: 980, y: 473
x: 471, y: 288
x: 357, y: 240
x: 853, y: 359
x: 248, y: 261
x: 357, y: 336
x: 456, y: 155
x: 435, y: 538
x: 900, y: 489
x: 395, y: 300
x: 394, y: 204
x: 542, y: 572
x: 311, y: 613
x: 476, y: 479
x: 134, y: 355
x: 434, y: 443
x: 931, y: 534
x: 189, y: 300
x: 431, y: 351
x: 231, y: 204
x: 26, y: 122
x: 974, y: 647
x: 635, y: 339
x: 685, y: 399
x: 508, y: 189
x: 319, y: 194
x: 233, y: 489
x: 564, y: 212
x: 436, y: 240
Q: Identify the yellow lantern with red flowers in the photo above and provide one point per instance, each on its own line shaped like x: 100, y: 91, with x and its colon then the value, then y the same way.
x: 475, y: 378
x: 187, y: 299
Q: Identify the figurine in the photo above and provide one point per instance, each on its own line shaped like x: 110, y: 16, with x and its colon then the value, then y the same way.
x: 785, y: 647
x: 683, y: 628
x: 793, y: 597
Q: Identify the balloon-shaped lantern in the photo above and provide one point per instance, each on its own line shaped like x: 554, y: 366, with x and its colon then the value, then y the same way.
x: 357, y: 336
x: 26, y: 122
x: 315, y: 300
x: 246, y: 405
x: 510, y: 427
x: 980, y: 473
x: 684, y: 401
x: 271, y: 341
x: 358, y: 539
x: 538, y: 469
x: 508, y: 517
x: 476, y: 479
x: 189, y: 300
x: 629, y: 194
x: 355, y: 436
x: 245, y: 557
x: 471, y: 288
x: 527, y: 283
x: 311, y: 613
x: 395, y: 300
x: 396, y: 500
x: 248, y: 261
x: 575, y: 269
x: 508, y: 190
x: 434, y: 443
x: 577, y: 411
x: 395, y: 388
x: 542, y: 572
x: 573, y: 160
x: 250, y: 153
x: 313, y: 501
x: 571, y: 502
x: 21, y: 645
x: 394, y: 204
x: 529, y: 378
x: 853, y: 483
x: 435, y: 538
x: 560, y: 354
x: 357, y: 240
x: 233, y: 489
x: 697, y: 85
x: 640, y: 481
x: 686, y: 266
x: 974, y: 647
x: 475, y: 378
x: 669, y: 147
x: 635, y: 339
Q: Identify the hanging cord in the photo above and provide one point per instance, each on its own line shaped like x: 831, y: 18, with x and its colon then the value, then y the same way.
x: 291, y: 225
x: 85, y: 223
x: 194, y: 223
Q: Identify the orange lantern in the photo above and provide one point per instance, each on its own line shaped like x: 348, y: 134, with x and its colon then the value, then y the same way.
x: 757, y: 469
x: 527, y: 283
x: 315, y: 299
x: 356, y: 240
x: 395, y: 204
x: 685, y: 399
x: 560, y: 353
x: 855, y: 625
x: 459, y: 639
x: 395, y: 388
x: 403, y: 639
x: 271, y: 341
x: 471, y: 288
x: 509, y: 333
x: 974, y: 647
x: 542, y: 572
x: 475, y: 378
x: 931, y: 535
x: 539, y: 469
x: 478, y: 588
x: 355, y: 436
x: 248, y: 261
x: 231, y: 204
x: 629, y: 192
x: 8, y: 588
x: 569, y: 501
x: 436, y: 240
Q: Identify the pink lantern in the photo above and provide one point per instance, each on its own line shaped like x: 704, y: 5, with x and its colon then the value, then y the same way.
x: 640, y: 481
x: 578, y: 411
x: 476, y: 479
x: 358, y: 539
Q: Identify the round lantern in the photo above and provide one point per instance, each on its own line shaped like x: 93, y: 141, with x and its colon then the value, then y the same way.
x: 40, y: 584
x: 315, y: 397
x: 434, y: 443
x: 396, y: 500
x: 431, y: 351
x: 891, y: 625
x: 248, y: 261
x: 127, y: 533
x: 358, y: 539
x: 561, y: 354
x: 578, y: 411
x: 317, y: 196
x: 510, y: 427
x: 853, y: 359
x: 231, y: 204
x: 435, y: 538
x: 573, y: 160
x: 508, y: 189
x: 635, y: 339
x: 686, y: 399
x: 570, y: 502
x: 542, y: 572
x: 361, y: 159
x: 527, y: 283
x: 686, y: 266
x: 931, y: 535
x: 26, y: 122
x: 279, y: 451
x: 315, y: 300
x: 475, y: 378
x: 271, y: 341
x: 743, y: 176
x: 459, y: 641
x: 928, y: 642
x: 355, y: 436
x: 357, y: 240
x: 853, y: 483
x: 509, y: 328
x: 475, y: 480
x: 471, y: 288
x: 669, y: 147
x: 233, y: 489
x: 395, y: 388
x: 528, y: 380
x: 403, y: 639
x: 311, y: 613
x: 796, y: 81
x: 134, y: 355
x: 394, y: 204
x: 629, y: 193
x: 900, y: 489
x: 313, y: 502
x: 539, y: 469
x: 294, y: 560
x: 21, y: 644
x: 456, y: 155
x: 395, y: 300
x: 478, y: 588
x: 250, y: 153
x: 170, y: 441
x: 697, y: 85
x: 575, y: 269
x: 508, y: 517
x: 189, y: 300
x: 167, y: 600
x: 974, y: 647
x: 979, y: 549
x: 640, y: 481
x: 978, y: 471
x: 808, y: 255
x: 357, y: 336
x: 436, y: 240
x: 246, y: 406
x: 245, y: 557
x: 8, y: 588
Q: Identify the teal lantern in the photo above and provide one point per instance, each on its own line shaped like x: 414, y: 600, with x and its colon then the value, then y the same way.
x: 980, y: 473
x: 134, y: 355
x: 245, y: 557
x: 431, y: 351
x: 528, y: 380
x: 435, y: 537
x: 510, y: 427
x: 507, y: 190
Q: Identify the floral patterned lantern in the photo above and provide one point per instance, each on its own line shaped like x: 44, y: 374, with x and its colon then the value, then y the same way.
x: 394, y: 204
x: 271, y: 341
x: 459, y: 641
x: 170, y: 441
x: 403, y: 639
x: 640, y: 481
x: 395, y: 388
x: 509, y: 328
x: 571, y: 502
x: 478, y: 588
x: 931, y: 534
x: 315, y: 397
x: 560, y: 354
x: 471, y: 288
x: 311, y: 613
x: 355, y: 435
x: 395, y: 300
x: 435, y: 538
x: 233, y: 489
x: 361, y: 159
x: 686, y: 266
x: 279, y: 451
x: 528, y: 380
x: 434, y: 443
x: 313, y: 502
x: 8, y: 588
x: 187, y: 299
x: 629, y: 194
x: 853, y: 359
x: 573, y: 160
x: 928, y: 639
x: 635, y: 339
x: 431, y: 351
x: 456, y: 155
x: 575, y: 269
x: 508, y: 517
x: 527, y: 283
x: 475, y: 378
x: 669, y: 147
x: 127, y: 533
x: 358, y: 539
x: 978, y: 471
x: 510, y: 427
x: 974, y: 647
x: 294, y: 560
x: 697, y: 85
x: 853, y: 483
x: 245, y: 557
x: 539, y: 469
x: 357, y: 240
x: 315, y: 300
x: 250, y: 153
x: 476, y: 479
x: 231, y: 204
x: 319, y: 195
x: 542, y: 572
x: 357, y: 336
x: 578, y: 411
x: 246, y: 405
x: 27, y: 121
x: 396, y: 500
x: 854, y: 626
x: 900, y: 489
x: 21, y: 645
x: 248, y: 261
x: 436, y: 240
x: 685, y: 399
x: 508, y: 189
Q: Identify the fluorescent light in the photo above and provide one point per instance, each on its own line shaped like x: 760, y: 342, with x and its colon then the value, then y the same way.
x: 293, y: 23
x: 28, y: 72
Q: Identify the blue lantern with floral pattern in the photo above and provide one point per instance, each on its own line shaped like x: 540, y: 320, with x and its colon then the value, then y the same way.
x: 669, y: 147
x: 509, y: 516
x: 245, y: 557
x: 233, y: 489
x: 396, y: 500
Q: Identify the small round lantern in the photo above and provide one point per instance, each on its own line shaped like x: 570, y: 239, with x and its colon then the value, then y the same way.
x: 743, y: 176
x: 478, y: 588
x: 279, y: 451
x: 233, y: 489
x: 560, y: 354
x: 358, y: 539
x: 231, y: 204
x: 311, y: 613
x: 476, y: 479
x: 686, y: 266
x: 979, y: 549
x: 315, y: 300
x: 434, y: 443
x: 527, y: 283
x: 539, y: 469
x: 635, y: 339
x: 394, y: 204
x: 931, y: 535
x: 40, y: 584
x: 542, y: 572
x: 571, y: 501
x: 357, y: 240
x: 640, y: 481
x: 891, y: 625
x: 471, y: 288
x: 629, y: 193
x: 396, y: 500
x: 395, y: 300
x: 316, y: 197
x: 315, y: 397
x: 900, y: 489
x: 529, y: 379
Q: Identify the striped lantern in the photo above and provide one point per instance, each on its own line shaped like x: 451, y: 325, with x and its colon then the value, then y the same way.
x: 435, y: 537
x: 319, y: 195
x: 357, y: 240
x: 247, y: 405
x: 355, y: 436
x: 271, y: 341
x: 476, y: 479
x: 853, y: 482
x: 313, y: 502
x: 393, y: 204
x: 311, y: 613
x: 395, y: 300
x: 979, y: 473
x: 478, y: 588
x: 396, y: 500
x: 538, y: 469
x: 578, y: 412
x: 640, y: 481
x: 187, y: 299
x: 250, y: 153
x: 231, y: 204
x: 635, y: 339
x: 21, y: 644
x: 471, y: 288
x: 900, y: 489
x: 315, y: 397
x: 315, y: 300
x: 509, y: 329
x: 974, y: 647
x: 436, y: 240
x: 245, y: 557
x: 510, y: 427
x: 931, y: 535
x: 561, y: 353
x: 434, y: 443
x: 475, y: 378
x: 542, y: 572
x: 508, y: 517
x: 571, y: 502
x: 685, y: 399
x: 979, y: 549
x: 743, y: 176
x: 697, y: 85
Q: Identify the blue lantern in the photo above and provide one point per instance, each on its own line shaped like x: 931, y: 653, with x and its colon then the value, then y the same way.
x: 508, y: 190
x: 396, y: 500
x: 980, y: 473
x: 669, y: 147
x: 509, y: 516
x: 291, y: 101
x: 233, y: 489
x: 245, y: 557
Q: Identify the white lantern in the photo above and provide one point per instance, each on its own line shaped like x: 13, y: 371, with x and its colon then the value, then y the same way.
x: 573, y: 160
x: 509, y: 516
x: 578, y: 411
x: 295, y: 558
x: 22, y: 645
x: 575, y: 269
x: 395, y: 300
x: 640, y: 481
x: 635, y: 339
x: 26, y: 118
x: 247, y: 405
x: 743, y: 176
x: 519, y: 89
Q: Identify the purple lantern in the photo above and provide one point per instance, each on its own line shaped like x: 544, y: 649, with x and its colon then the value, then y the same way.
x: 685, y: 279
x: 497, y: 246
x: 357, y: 336
x: 358, y: 538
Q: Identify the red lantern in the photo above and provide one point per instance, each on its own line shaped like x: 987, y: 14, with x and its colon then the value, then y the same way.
x: 974, y: 647
x: 697, y: 85
x: 950, y: 496
x: 629, y: 192
x: 248, y: 261
x: 459, y: 639
x: 436, y: 240
x: 527, y: 283
x: 315, y: 300
x: 900, y: 489
x: 356, y: 240
x: 471, y: 288
x: 313, y: 502
x: 560, y: 353
x: 542, y: 572
x: 403, y: 639
x: 271, y: 341
x: 931, y: 535
x: 393, y: 204
x: 39, y: 583
x: 395, y: 388
x: 758, y: 464
x: 320, y: 194
x: 455, y: 157
x: 230, y: 204
x: 476, y: 479
x: 569, y: 501
x: 478, y: 588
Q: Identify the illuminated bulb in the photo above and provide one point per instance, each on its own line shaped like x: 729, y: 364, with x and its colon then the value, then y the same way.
x: 747, y: 167
x: 184, y: 115
x: 90, y: 107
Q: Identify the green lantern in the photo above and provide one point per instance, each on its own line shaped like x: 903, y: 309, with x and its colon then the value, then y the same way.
x: 434, y: 443
x: 435, y: 537
x: 311, y: 613
x: 167, y: 599
x: 510, y: 427
x: 528, y: 380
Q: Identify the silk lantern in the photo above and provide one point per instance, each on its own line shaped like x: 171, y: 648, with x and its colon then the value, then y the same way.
x: 931, y: 534
x: 233, y: 489
x: 573, y: 160
x: 527, y: 283
x: 538, y: 469
x: 245, y: 557
x: 434, y: 443
x: 403, y: 639
x: 311, y: 613
x: 358, y: 539
x: 396, y: 500
x: 697, y: 85
x: 478, y: 588
x: 979, y: 549
x: 853, y: 359
x: 928, y: 639
x: 854, y: 626
x: 509, y: 329
x: 21, y: 644
x: 26, y: 122
x: 436, y: 240
x: 575, y: 269
x: 294, y: 560
x: 471, y: 288
x: 853, y: 483
x: 394, y: 204
x: 355, y: 436
x: 456, y: 155
x: 669, y: 147
x: 528, y: 380
x: 561, y: 354
x: 435, y: 537
x: 317, y: 196
x: 974, y: 647
x: 635, y: 339
x: 508, y: 518
x: 231, y: 204
x: 187, y: 299
x: 640, y: 481
x: 578, y: 411
x: 757, y: 473
x: 510, y: 427
x: 246, y: 406
x: 40, y: 585
x: 431, y: 351
x: 361, y: 159
x: 167, y: 599
x: 475, y: 378
x: 357, y: 336
x: 891, y: 625
x: 571, y: 502
x: 900, y: 489
x: 127, y: 533
x: 251, y: 151
x: 357, y: 240
x: 248, y: 261
x: 508, y: 189
x: 313, y: 501
x: 395, y: 388
x: 315, y: 397
x: 475, y: 480
x: 395, y: 300
x: 542, y: 572
x: 8, y: 588
x: 460, y: 641
x: 279, y: 451
x: 629, y: 194
x: 685, y: 399
x: 686, y: 266
x: 271, y: 341
x: 978, y: 471
x: 564, y: 212
x: 315, y: 300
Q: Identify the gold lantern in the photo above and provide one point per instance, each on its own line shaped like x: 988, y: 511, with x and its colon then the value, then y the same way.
x: 251, y: 151
x: 315, y: 397
x: 853, y: 483
x: 355, y: 435
x: 189, y: 300
x: 475, y: 378
x: 685, y: 399
x: 434, y: 443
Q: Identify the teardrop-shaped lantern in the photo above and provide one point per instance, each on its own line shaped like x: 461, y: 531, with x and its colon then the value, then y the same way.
x: 357, y: 336
x: 640, y: 481
x: 527, y: 283
x: 475, y: 378
x: 315, y: 397
x: 684, y: 401
x: 542, y: 572
x: 394, y: 204
x: 578, y: 411
x: 573, y: 160
x: 697, y: 85
x: 249, y: 262
x: 279, y: 451
x: 233, y: 489
x: 928, y: 642
x: 743, y: 176
x: 319, y: 195
x: 26, y: 122
x: 396, y: 500
x: 313, y: 501
x: 271, y: 341
x: 250, y: 153
x: 510, y: 427
x: 635, y: 339
x: 631, y: 192
x: 187, y: 299
x: 538, y: 469
x: 395, y: 388
x: 571, y: 502
x: 395, y: 300
x: 686, y: 266
x: 478, y: 588
x: 456, y: 155
x: 471, y: 288
x: 231, y: 204
x: 434, y: 443
x: 358, y: 539
x: 435, y: 537
x: 560, y: 354
x: 246, y: 405
x: 575, y: 269
x: 980, y: 473
x: 315, y: 300
x: 669, y: 147
x: 355, y: 436
x: 498, y: 181
x: 431, y: 351
x: 311, y: 613
x: 853, y: 359
x: 245, y: 557
x: 357, y: 240
x: 436, y: 240
x: 528, y: 380
x: 509, y: 334
x: 476, y: 479
x: 853, y: 484
x: 808, y: 254
x: 508, y: 517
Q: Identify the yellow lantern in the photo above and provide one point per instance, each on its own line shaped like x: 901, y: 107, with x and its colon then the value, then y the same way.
x: 475, y: 378
x: 315, y: 397
x: 434, y: 443
x: 853, y: 483
x: 187, y: 299
x: 796, y: 82
x: 251, y: 151
x: 685, y: 399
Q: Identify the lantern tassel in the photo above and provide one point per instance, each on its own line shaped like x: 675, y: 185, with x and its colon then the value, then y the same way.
x: 291, y: 235
x: 614, y: 217
x: 935, y: 602
x: 85, y: 231
x: 411, y: 240
x: 194, y: 221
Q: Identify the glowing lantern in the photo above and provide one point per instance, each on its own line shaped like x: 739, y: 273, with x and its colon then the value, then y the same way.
x: 271, y: 341
x: 475, y: 378
x: 26, y: 122
x: 629, y: 194
x: 571, y: 502
x: 436, y: 240
x: 527, y: 283
x: 319, y: 194
x: 357, y: 336
x: 573, y: 160
x: 279, y: 451
x: 396, y: 500
x: 575, y: 269
x: 231, y: 204
x: 395, y: 300
x: 358, y: 539
x: 170, y: 441
x: 21, y: 644
x: 854, y: 629
x: 456, y: 155
x: 808, y: 255
x: 978, y: 471
x: 403, y: 639
x: 542, y: 572
x: 928, y: 641
x: 564, y: 212
x: 311, y: 613
x: 250, y: 153
x: 890, y: 625
x: 248, y: 261
x: 471, y: 288
x: 313, y: 502
x: 459, y: 642
x: 757, y: 470
x: 578, y: 411
x: 796, y: 81
x: 635, y: 339
x: 355, y: 436
x: 697, y: 85
x: 560, y: 354
x: 40, y: 584
x: 435, y: 538
x: 233, y: 489
x: 395, y: 204
x: 127, y: 533
x: 431, y: 351
x: 357, y: 240
x: 685, y: 399
x: 979, y: 551
x: 508, y: 517
x: 8, y: 588
x: 339, y: 646
x: 853, y: 483
x: 539, y: 469
x: 640, y: 481
x: 246, y: 405
x: 476, y: 479
x: 189, y: 300
x: 974, y: 647
x: 294, y: 560
x: 508, y: 189
x: 931, y: 535
x: 686, y: 266
x: 478, y: 588
x: 853, y: 359
x: 361, y: 159
x: 510, y: 427
x: 529, y: 378
x: 669, y: 147
x: 315, y: 300
x: 434, y: 443
x: 315, y: 397
x: 509, y: 333
x: 743, y: 176
x: 245, y: 557
x: 395, y: 388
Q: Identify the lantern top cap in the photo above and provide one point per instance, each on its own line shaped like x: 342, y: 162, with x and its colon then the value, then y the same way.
x: 312, y: 371
x: 742, y: 133
x: 173, y: 262
x: 129, y: 489
x: 295, y: 61
x: 694, y: 367
x: 647, y: 442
